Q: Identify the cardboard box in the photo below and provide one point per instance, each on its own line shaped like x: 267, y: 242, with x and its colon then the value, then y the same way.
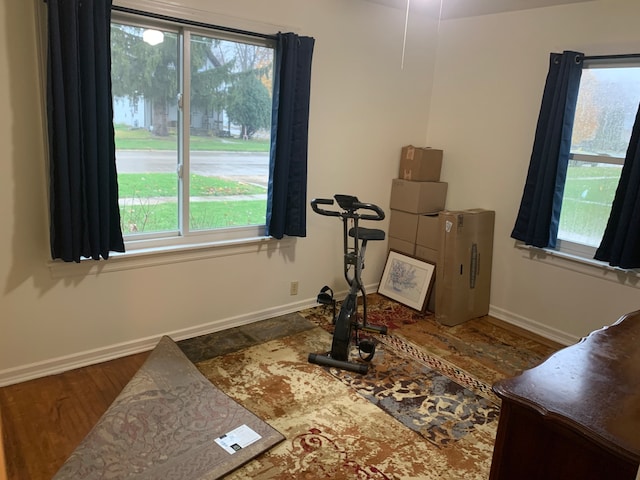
x: 420, y: 164
x: 418, y: 197
x: 463, y: 272
x: 402, y: 246
x: 430, y: 255
x: 428, y: 234
x: 403, y: 225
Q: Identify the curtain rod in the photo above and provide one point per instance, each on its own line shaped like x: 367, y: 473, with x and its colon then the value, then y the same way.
x: 612, y: 57
x: 193, y: 23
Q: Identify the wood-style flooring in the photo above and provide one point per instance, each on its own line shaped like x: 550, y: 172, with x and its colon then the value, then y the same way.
x: 42, y: 421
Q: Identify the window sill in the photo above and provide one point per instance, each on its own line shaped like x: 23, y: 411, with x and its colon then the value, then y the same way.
x: 164, y: 255
x: 582, y: 265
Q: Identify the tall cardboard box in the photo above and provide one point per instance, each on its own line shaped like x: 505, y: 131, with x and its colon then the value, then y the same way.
x: 463, y: 273
x: 420, y: 164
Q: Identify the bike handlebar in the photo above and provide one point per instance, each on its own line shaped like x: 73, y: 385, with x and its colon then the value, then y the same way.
x: 348, y: 211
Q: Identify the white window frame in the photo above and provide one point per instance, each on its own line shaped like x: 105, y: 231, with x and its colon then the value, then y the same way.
x: 575, y: 250
x: 184, y: 237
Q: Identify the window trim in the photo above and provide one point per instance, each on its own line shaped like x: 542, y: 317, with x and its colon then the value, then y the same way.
x: 579, y: 250
x: 583, y: 157
x: 191, y: 23
x: 165, y: 255
x: 580, y: 264
x: 199, y: 16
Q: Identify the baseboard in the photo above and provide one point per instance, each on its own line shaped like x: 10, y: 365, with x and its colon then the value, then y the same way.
x: 57, y: 365
x: 532, y: 326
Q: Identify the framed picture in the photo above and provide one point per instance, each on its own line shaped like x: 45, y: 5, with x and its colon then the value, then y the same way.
x: 407, y: 280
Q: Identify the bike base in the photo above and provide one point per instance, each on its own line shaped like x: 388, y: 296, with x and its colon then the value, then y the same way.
x: 382, y: 329
x: 327, y: 361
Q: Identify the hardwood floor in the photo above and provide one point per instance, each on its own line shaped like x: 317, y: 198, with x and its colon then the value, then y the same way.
x: 3, y: 464
x: 44, y: 420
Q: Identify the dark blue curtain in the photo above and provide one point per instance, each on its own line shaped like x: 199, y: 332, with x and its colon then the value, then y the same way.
x: 84, y: 214
x: 620, y: 245
x: 287, y: 194
x: 539, y: 214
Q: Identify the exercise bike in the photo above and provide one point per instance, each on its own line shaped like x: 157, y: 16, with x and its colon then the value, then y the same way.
x: 346, y: 324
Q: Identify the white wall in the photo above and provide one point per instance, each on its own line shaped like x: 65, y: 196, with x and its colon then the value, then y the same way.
x: 363, y: 109
x: 490, y: 73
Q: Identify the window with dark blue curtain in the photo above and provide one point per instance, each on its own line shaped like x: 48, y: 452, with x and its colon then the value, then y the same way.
x: 287, y: 197
x: 612, y: 87
x: 539, y: 214
x: 84, y: 212
x: 85, y: 215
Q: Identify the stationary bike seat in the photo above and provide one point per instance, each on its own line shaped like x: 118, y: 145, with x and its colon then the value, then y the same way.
x: 367, y: 233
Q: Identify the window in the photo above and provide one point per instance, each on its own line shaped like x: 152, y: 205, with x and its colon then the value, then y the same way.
x: 608, y: 100
x: 192, y: 117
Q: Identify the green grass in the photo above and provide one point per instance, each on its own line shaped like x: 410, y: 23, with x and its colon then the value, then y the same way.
x: 151, y: 216
x: 151, y: 204
x: 134, y: 185
x: 588, y: 194
x: 592, y: 184
x: 141, y: 139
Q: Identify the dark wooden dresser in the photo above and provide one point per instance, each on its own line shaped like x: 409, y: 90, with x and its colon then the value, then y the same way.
x: 577, y: 415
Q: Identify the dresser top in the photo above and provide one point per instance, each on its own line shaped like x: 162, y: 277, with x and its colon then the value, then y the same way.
x: 592, y: 387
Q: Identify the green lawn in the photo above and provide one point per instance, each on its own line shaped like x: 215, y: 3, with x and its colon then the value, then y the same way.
x: 588, y: 195
x: 148, y: 201
x: 141, y: 139
x: 593, y: 184
x: 146, y: 185
x: 150, y: 215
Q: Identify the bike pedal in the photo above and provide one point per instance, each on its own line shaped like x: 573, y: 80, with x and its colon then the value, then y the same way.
x: 367, y: 346
x: 325, y: 297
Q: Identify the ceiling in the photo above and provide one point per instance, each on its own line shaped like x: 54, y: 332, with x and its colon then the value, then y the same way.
x: 471, y: 8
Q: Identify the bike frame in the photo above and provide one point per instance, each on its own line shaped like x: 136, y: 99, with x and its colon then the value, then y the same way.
x: 355, y: 244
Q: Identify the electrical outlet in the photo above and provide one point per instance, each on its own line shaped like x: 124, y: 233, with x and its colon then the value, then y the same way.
x: 293, y: 288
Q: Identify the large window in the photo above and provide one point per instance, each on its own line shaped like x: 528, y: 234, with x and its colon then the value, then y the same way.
x: 607, y: 104
x: 192, y: 117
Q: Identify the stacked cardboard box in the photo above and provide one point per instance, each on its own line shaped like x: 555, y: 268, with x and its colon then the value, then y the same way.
x: 458, y: 243
x: 427, y: 249
x: 420, y: 164
x: 417, y: 191
x: 417, y: 195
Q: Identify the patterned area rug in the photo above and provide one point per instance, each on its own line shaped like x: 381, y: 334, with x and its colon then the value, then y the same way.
x: 407, y: 418
x: 424, y: 411
x: 427, y: 395
x: 169, y: 422
x: 474, y: 349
